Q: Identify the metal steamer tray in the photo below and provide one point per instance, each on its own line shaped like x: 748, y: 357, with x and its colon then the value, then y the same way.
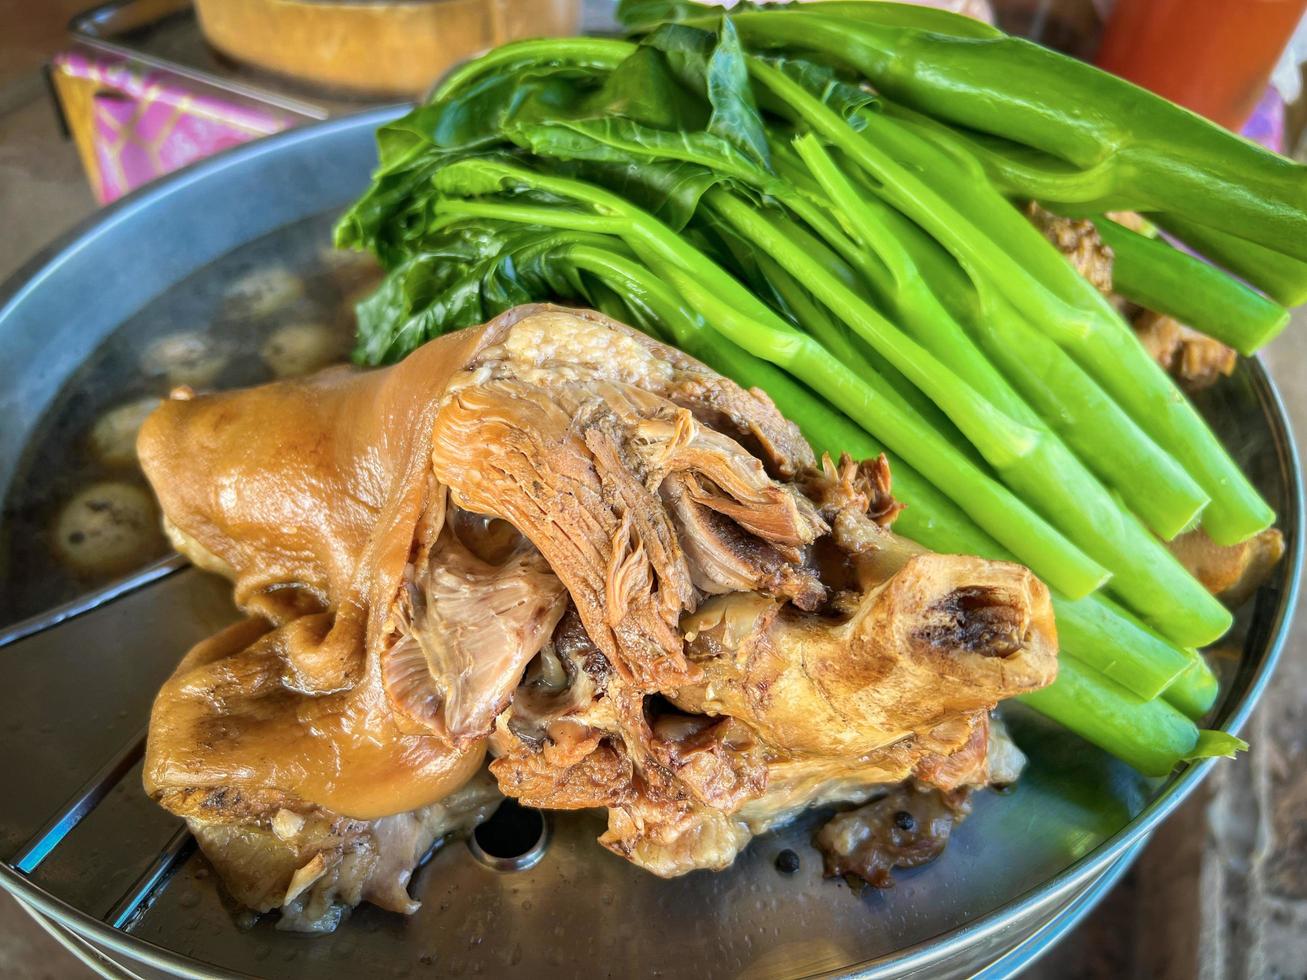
x: 117, y: 879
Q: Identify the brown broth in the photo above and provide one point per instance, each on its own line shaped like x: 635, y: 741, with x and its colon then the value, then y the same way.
x: 59, y: 461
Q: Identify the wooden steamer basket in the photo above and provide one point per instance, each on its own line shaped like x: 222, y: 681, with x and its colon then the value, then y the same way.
x: 378, y: 47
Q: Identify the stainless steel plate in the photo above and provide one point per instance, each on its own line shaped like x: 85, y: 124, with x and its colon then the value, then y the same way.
x: 81, y: 845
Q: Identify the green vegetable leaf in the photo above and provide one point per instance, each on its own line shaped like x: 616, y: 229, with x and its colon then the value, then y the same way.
x: 735, y: 115
x: 826, y: 85
x: 617, y: 138
x: 475, y: 114
x: 1216, y: 745
x: 668, y: 189
x: 686, y: 51
x: 666, y: 171
x: 639, y: 16
x: 472, y: 272
x: 645, y: 88
x: 716, y: 69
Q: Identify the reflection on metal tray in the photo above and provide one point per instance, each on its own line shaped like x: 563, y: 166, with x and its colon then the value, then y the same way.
x: 80, y: 844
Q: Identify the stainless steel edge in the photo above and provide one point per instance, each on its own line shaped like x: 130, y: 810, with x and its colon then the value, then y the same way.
x: 106, y: 936
x: 1067, y: 918
x: 90, y: 957
x: 29, y: 276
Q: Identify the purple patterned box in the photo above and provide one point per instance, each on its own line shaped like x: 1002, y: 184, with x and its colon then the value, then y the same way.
x: 133, y: 122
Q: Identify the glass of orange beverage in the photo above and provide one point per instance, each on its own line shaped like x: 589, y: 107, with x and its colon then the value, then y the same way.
x: 1212, y: 56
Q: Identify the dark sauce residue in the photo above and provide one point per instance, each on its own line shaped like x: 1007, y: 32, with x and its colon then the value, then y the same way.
x: 906, y: 828
x: 787, y: 862
x: 297, y: 308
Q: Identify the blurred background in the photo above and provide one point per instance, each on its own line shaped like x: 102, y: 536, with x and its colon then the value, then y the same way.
x: 97, y: 101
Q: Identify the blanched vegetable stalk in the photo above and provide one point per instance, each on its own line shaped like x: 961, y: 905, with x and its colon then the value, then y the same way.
x: 1150, y: 735
x: 1148, y: 479
x: 1001, y: 251
x: 1107, y: 440
x: 1280, y: 276
x: 1159, y: 277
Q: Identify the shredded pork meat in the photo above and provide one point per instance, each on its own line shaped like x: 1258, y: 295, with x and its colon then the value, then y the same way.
x: 1192, y: 358
x: 556, y: 540
x: 1232, y: 573
x: 1079, y: 241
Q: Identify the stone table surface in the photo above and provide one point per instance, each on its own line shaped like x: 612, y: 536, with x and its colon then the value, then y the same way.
x: 1220, y: 892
